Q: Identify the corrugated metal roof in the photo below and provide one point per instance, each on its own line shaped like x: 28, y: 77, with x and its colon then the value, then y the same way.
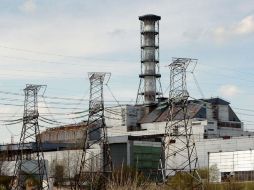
x: 67, y: 127
x: 152, y: 116
x: 218, y: 101
x: 160, y: 115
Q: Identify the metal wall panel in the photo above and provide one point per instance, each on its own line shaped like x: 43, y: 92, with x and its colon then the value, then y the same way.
x: 119, y: 154
x: 233, y: 163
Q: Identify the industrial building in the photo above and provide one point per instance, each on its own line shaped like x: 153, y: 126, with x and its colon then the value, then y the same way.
x: 72, y: 134
x: 135, y: 132
x: 135, y: 135
x: 216, y: 127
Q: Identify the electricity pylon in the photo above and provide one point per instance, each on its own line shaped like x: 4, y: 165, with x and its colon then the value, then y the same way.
x: 180, y: 156
x: 95, y: 134
x: 30, y: 165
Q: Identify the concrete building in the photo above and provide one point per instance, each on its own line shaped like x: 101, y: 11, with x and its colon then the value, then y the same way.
x: 133, y: 151
x: 233, y: 164
x: 135, y: 135
x: 215, y: 126
x: 211, y: 118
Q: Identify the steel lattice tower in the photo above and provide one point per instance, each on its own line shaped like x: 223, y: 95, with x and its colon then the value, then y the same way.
x: 30, y: 164
x: 178, y: 144
x: 96, y: 133
x: 149, y: 85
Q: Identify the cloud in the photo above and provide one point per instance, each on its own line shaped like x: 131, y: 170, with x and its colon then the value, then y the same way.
x: 246, y: 26
x: 194, y: 34
x: 241, y: 28
x: 116, y: 32
x: 91, y: 48
x: 229, y: 90
x: 28, y: 6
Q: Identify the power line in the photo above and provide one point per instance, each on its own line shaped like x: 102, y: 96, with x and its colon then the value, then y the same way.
x: 11, y: 99
x: 225, y: 75
x: 243, y: 109
x: 61, y: 55
x: 12, y: 120
x: 197, y: 84
x: 13, y: 123
x: 112, y: 94
x: 244, y: 114
x: 11, y: 93
x: 57, y: 97
x: 76, y: 99
x: 113, y: 112
x: 50, y: 120
x: 53, y: 107
x: 229, y: 68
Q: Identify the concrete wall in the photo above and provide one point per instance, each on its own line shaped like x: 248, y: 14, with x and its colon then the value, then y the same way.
x: 115, y: 116
x: 233, y: 132
x: 230, y: 162
x: 209, y: 112
x: 201, y: 128
x: 159, y: 127
x: 203, y: 146
x: 122, y: 119
x: 211, y: 129
x: 156, y: 127
x: 63, y: 135
x: 216, y: 145
x: 70, y: 159
x: 223, y: 112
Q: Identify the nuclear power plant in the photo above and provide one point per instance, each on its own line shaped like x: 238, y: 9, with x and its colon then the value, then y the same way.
x: 160, y: 135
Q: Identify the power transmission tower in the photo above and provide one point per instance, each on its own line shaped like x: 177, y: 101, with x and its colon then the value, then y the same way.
x: 178, y: 144
x: 30, y: 164
x: 95, y: 135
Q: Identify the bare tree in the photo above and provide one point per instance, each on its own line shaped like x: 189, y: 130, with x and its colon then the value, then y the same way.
x: 4, y: 165
x: 4, y: 171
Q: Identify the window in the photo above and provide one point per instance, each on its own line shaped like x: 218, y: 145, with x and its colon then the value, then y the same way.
x: 199, y: 123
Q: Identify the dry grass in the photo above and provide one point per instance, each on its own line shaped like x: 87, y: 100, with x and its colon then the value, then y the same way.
x: 127, y: 178
x: 223, y: 186
x: 133, y: 186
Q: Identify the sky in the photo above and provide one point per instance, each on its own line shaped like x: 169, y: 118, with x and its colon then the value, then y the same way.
x: 56, y: 43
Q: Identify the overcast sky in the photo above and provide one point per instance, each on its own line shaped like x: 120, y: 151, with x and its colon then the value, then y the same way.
x: 57, y: 42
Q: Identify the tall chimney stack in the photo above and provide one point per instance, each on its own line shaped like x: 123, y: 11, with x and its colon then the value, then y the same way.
x: 149, y: 86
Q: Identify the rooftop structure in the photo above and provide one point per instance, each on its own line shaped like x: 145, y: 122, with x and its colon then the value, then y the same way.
x: 64, y: 134
x: 215, y: 114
